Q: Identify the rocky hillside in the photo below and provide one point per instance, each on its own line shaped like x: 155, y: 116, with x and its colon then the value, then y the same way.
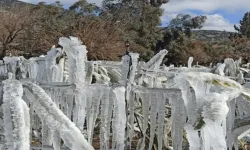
x: 210, y: 35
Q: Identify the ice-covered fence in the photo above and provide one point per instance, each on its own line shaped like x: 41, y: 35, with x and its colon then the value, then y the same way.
x: 152, y: 116
x: 128, y: 97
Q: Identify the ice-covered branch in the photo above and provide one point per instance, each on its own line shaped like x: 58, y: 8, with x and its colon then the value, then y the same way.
x: 155, y: 62
x: 55, y: 119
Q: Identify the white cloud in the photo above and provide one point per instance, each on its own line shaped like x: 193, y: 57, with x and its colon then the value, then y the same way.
x: 217, y: 22
x: 206, y: 5
x: 214, y: 21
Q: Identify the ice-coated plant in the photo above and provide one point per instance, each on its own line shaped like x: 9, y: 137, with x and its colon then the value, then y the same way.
x: 64, y: 100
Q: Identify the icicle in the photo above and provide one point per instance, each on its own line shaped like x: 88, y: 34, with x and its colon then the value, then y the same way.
x: 66, y: 71
x: 94, y: 112
x: 64, y: 103
x: 70, y: 100
x: 153, y: 115
x: 89, y: 73
x: 17, y: 126
x: 146, y: 99
x: 131, y: 115
x: 60, y: 71
x: 104, y: 131
x: 178, y: 118
x: 112, y: 98
x: 79, y: 110
x: 52, y: 69
x: 161, y: 118
x: 55, y: 119
x: 41, y: 77
x: 125, y: 69
x: 130, y: 96
x: 119, y: 116
x: 32, y: 68
x: 89, y: 96
x: 56, y: 140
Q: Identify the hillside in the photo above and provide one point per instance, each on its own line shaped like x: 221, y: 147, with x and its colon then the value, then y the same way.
x: 11, y: 2
x: 210, y: 35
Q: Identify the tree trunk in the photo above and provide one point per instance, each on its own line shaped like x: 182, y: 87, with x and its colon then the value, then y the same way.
x: 3, y: 54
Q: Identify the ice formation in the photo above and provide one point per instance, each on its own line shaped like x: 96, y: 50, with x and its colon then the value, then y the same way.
x: 190, y: 61
x: 15, y: 116
x: 119, y: 119
x: 54, y: 71
x: 55, y: 119
x: 73, y: 98
x: 155, y: 62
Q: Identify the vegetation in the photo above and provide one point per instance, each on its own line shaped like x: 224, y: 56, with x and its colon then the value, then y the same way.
x: 103, y: 30
x: 244, y: 27
x: 31, y: 30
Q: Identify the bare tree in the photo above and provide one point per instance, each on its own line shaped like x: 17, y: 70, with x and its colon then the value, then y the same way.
x: 14, y: 22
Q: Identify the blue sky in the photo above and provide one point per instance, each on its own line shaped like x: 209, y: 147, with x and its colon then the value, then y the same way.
x: 221, y: 14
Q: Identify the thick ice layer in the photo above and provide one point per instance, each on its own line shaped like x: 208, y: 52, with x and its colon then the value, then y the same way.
x: 55, y: 119
x: 212, y: 92
x: 230, y: 67
x: 220, y: 70
x: 12, y: 64
x: 16, y: 116
x: 77, y: 56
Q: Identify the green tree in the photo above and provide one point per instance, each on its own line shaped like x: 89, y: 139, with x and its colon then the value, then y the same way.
x: 244, y: 27
x: 82, y: 7
x: 141, y: 19
x: 177, y: 37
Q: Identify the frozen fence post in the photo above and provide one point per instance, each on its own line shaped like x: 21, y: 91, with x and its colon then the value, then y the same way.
x: 77, y: 57
x: 16, y: 116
